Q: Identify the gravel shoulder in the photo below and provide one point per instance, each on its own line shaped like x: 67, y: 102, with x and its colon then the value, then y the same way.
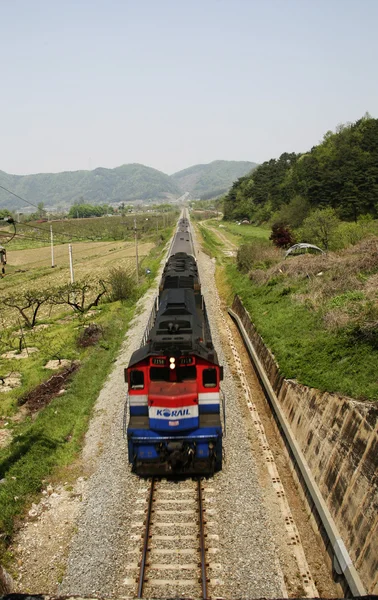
x: 79, y: 543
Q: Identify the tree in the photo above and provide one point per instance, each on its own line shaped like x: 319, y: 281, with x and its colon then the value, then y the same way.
x: 81, y: 295
x: 27, y: 304
x: 294, y: 213
x: 41, y: 213
x: 281, y: 236
x: 320, y: 227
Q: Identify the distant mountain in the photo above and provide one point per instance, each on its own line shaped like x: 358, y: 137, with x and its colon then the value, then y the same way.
x: 101, y: 186
x: 127, y: 183
x: 213, y: 178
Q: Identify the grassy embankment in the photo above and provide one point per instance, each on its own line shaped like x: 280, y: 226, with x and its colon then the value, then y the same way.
x: 318, y: 314
x: 47, y: 442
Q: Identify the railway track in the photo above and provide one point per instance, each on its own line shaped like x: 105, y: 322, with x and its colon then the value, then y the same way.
x: 176, y: 541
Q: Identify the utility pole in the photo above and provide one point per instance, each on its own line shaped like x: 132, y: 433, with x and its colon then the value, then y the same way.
x: 71, y: 263
x: 136, y: 252
x: 52, y: 247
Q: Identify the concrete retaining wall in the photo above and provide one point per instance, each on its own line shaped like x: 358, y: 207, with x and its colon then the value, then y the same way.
x: 339, y: 438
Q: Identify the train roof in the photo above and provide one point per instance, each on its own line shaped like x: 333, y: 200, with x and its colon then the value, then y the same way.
x: 180, y: 271
x: 183, y: 241
x: 180, y: 328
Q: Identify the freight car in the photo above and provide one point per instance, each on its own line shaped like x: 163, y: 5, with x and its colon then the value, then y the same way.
x: 174, y: 396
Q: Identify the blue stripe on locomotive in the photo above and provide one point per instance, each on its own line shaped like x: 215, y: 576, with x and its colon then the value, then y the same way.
x: 142, y: 442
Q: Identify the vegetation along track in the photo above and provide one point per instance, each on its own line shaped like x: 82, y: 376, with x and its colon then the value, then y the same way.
x: 175, y: 541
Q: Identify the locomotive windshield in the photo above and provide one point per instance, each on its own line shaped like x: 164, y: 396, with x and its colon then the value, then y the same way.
x: 187, y: 373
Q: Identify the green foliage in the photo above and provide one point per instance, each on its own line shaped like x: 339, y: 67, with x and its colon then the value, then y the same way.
x: 318, y: 314
x: 334, y: 360
x: 54, y: 437
x: 340, y: 173
x: 122, y: 284
x: 343, y: 299
x: 5, y: 213
x: 95, y: 229
x: 82, y: 211
x: 320, y: 228
x: 293, y: 213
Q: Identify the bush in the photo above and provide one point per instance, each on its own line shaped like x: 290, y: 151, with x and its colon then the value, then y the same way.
x: 281, y: 236
x: 122, y: 283
x: 348, y: 234
x: 257, y: 255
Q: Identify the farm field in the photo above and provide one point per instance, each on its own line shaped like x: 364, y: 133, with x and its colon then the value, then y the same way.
x: 89, y: 258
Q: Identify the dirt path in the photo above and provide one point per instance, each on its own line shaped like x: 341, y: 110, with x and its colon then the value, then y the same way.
x: 230, y: 248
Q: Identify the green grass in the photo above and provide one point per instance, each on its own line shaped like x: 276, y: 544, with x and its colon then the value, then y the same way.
x: 246, y: 233
x: 52, y: 440
x: 55, y: 436
x: 212, y: 243
x: 303, y: 348
x: 327, y: 359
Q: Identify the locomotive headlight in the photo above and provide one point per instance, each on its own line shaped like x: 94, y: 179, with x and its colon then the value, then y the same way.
x: 172, y: 362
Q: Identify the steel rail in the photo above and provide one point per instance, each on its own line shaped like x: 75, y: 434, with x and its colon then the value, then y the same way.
x: 202, y: 541
x: 145, y: 541
x: 341, y: 560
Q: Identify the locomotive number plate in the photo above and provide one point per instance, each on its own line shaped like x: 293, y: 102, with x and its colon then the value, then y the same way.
x: 158, y: 361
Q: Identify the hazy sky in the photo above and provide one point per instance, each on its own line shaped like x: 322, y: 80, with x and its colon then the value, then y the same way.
x: 171, y: 83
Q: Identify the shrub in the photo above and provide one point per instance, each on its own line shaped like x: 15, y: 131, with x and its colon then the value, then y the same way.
x: 260, y: 254
x: 349, y: 234
x: 122, y: 284
x: 281, y: 236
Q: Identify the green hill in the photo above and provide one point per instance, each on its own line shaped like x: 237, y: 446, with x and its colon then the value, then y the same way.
x: 339, y: 173
x: 214, y: 178
x: 125, y: 183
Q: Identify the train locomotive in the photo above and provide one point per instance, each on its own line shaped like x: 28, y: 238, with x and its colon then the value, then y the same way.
x: 174, y: 397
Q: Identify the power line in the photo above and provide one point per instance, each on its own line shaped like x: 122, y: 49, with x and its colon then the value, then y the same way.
x: 17, y: 196
x: 78, y: 252
x: 28, y: 237
x: 35, y: 206
x: 70, y: 235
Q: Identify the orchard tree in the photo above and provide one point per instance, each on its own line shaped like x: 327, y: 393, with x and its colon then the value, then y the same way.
x: 27, y: 304
x: 81, y: 296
